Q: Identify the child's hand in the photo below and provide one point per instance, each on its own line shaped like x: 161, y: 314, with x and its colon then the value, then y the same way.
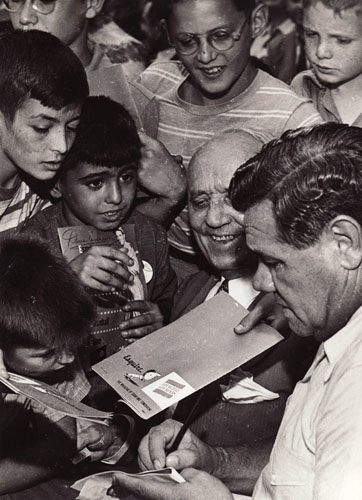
x: 159, y: 172
x: 150, y: 319
x: 103, y: 268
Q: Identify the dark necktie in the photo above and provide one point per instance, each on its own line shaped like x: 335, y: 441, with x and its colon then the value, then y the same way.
x: 224, y: 287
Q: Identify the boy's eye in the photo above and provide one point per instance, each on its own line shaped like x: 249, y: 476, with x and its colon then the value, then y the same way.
x: 127, y: 177
x: 95, y: 184
x: 344, y: 41
x: 309, y: 34
x: 41, y: 130
x: 218, y: 36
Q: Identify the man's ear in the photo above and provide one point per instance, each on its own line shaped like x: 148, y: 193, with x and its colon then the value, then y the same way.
x: 259, y: 20
x: 56, y: 191
x: 93, y: 8
x: 347, y: 236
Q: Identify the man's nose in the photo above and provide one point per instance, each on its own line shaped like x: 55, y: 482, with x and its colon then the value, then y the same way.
x: 263, y: 279
x: 217, y: 215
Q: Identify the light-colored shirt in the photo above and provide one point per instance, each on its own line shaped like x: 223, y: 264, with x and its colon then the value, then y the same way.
x: 240, y: 289
x: 318, y: 452
x: 307, y: 85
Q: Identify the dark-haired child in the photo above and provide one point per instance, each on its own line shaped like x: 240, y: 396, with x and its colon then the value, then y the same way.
x: 45, y: 315
x: 42, y: 88
x: 97, y: 186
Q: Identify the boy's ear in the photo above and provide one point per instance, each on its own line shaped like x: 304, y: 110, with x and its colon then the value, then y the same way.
x: 259, y: 20
x: 93, y: 8
x: 56, y: 191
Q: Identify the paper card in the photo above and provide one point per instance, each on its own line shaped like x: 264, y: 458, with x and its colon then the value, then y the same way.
x: 105, y: 338
x: 50, y: 397
x: 184, y: 356
x: 103, y: 480
x: 168, y: 390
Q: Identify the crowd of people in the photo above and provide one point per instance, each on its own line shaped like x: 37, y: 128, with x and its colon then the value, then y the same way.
x: 219, y: 142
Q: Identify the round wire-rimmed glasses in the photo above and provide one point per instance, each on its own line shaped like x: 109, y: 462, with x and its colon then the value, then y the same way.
x: 219, y: 39
x: 41, y: 6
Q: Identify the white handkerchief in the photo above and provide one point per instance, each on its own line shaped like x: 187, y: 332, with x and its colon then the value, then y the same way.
x: 247, y: 391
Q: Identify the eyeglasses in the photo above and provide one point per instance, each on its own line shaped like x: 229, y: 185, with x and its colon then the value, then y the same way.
x: 220, y: 40
x: 41, y: 6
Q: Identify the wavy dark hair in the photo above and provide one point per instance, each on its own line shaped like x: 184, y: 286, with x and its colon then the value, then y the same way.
x: 310, y: 175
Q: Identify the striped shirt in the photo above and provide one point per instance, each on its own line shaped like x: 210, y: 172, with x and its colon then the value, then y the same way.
x: 268, y: 106
x: 22, y: 203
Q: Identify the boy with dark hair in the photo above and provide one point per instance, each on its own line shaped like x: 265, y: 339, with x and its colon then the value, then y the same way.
x: 42, y: 88
x: 45, y: 315
x: 97, y: 184
x: 333, y: 46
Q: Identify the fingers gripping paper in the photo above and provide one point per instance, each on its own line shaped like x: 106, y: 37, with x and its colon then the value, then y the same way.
x: 161, y: 369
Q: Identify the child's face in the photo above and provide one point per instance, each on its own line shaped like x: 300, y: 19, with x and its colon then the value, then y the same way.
x: 38, y: 138
x: 36, y: 361
x: 216, y: 74
x: 98, y: 196
x: 333, y: 43
x: 67, y: 21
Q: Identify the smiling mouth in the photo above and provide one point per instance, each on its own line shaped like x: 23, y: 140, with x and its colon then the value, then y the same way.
x: 224, y: 238
x: 212, y: 72
x: 112, y: 214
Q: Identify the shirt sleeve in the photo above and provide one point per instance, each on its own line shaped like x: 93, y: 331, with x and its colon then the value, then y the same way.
x: 305, y: 115
x: 338, y: 460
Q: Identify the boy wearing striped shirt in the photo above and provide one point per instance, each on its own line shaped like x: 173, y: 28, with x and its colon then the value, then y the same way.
x: 213, y: 87
x: 42, y: 89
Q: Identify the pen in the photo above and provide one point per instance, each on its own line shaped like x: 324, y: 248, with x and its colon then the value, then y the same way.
x: 185, y: 425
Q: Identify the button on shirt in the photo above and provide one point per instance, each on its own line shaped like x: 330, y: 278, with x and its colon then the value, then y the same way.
x: 318, y: 451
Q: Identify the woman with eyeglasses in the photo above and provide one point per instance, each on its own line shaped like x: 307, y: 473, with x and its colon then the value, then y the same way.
x: 213, y: 87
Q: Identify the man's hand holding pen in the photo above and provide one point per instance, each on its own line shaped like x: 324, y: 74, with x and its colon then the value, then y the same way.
x: 153, y: 452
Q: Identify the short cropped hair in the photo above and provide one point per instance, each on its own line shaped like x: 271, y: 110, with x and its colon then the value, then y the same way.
x: 310, y: 175
x: 38, y: 65
x: 42, y: 302
x: 164, y: 7
x: 106, y: 137
x: 336, y: 5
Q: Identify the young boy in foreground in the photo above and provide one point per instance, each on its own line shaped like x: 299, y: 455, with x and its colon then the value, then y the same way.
x: 42, y: 88
x: 45, y: 314
x: 333, y: 44
x: 97, y: 186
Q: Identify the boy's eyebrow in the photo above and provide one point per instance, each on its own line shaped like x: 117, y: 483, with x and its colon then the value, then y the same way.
x: 93, y: 175
x: 54, y: 119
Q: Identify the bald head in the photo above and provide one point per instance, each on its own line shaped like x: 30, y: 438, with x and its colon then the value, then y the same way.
x: 217, y: 227
x: 223, y: 154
